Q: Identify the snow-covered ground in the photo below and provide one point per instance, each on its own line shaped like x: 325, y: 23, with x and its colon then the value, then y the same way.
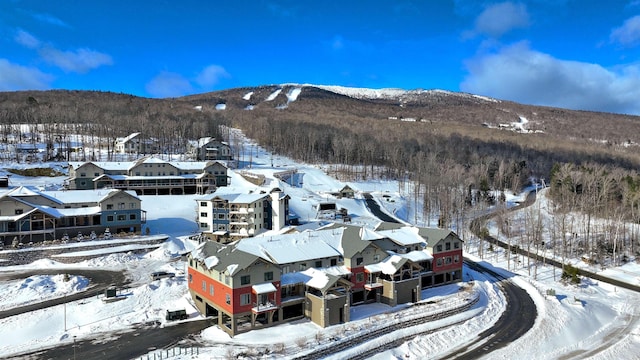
x: 602, y: 324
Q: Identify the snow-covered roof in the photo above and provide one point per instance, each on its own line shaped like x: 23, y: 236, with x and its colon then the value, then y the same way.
x: 388, y: 266
x: 234, y: 198
x: 128, y: 165
x: 127, y: 138
x: 264, y: 288
x: 405, y: 236
x: 418, y: 255
x: 85, y: 196
x: 292, y: 248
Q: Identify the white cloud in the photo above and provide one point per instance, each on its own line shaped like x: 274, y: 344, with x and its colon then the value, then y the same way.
x: 50, y: 19
x: 211, y: 75
x: 168, y: 84
x: 79, y: 61
x: 498, y: 19
x: 17, y: 77
x: 628, y: 34
x: 26, y: 39
x: 521, y: 74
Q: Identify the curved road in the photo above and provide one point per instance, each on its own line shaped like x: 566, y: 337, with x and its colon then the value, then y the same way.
x: 519, y: 316
x: 515, y: 321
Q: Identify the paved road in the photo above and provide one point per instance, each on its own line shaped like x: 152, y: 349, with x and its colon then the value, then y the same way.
x: 114, y: 345
x: 129, y: 344
x: 515, y: 321
x: 375, y: 209
x: 99, y: 281
x: 519, y: 316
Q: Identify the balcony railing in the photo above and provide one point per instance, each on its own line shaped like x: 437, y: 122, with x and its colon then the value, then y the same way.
x: 258, y: 308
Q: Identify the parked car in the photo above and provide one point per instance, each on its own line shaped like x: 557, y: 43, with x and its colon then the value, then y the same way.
x: 161, y: 275
x: 176, y: 315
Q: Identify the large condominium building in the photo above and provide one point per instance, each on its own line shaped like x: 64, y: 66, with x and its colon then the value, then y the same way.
x: 269, y: 279
x: 230, y: 216
x: 28, y: 215
x: 149, y: 176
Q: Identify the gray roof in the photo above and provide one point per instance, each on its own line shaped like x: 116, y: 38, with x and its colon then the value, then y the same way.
x: 223, y: 258
x: 433, y: 235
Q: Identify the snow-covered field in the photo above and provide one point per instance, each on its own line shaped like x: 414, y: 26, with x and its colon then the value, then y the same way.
x: 603, y: 324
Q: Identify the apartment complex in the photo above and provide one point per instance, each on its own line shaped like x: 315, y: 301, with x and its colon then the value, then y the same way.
x: 230, y: 216
x: 318, y: 274
x: 28, y: 215
x: 149, y: 176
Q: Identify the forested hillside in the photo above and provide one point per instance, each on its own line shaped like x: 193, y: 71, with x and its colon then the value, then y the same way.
x: 446, y: 144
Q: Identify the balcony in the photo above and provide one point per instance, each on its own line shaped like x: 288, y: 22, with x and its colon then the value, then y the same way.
x: 374, y: 285
x: 260, y: 308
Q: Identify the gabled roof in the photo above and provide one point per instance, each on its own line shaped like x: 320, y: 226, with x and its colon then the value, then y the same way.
x: 149, y: 159
x: 223, y: 258
x: 354, y: 239
x: 388, y: 266
x: 323, y: 281
x: 433, y: 235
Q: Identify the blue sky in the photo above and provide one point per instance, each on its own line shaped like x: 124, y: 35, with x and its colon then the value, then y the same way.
x: 578, y: 54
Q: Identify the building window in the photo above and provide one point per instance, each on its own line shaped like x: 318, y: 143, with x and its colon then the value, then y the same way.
x: 122, y: 217
x: 110, y: 218
x: 226, y: 280
x: 132, y: 205
x: 439, y: 262
x: 456, y: 258
x: 109, y: 206
x: 439, y: 248
x: 203, y: 214
x: 447, y: 246
x: 221, y: 216
x: 376, y: 257
x: 83, y: 174
x: 132, y: 216
x: 18, y: 211
x: 120, y: 206
x: 360, y: 277
x: 303, y: 266
x: 245, y: 299
x: 447, y: 260
x: 359, y: 261
x: 245, y: 279
x: 334, y: 262
x: 319, y: 263
x: 190, y: 278
x: 228, y: 299
x: 204, y: 285
x: 203, y: 225
x: 268, y: 276
x: 285, y: 269
x: 203, y: 203
x: 456, y: 245
x: 211, y: 289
